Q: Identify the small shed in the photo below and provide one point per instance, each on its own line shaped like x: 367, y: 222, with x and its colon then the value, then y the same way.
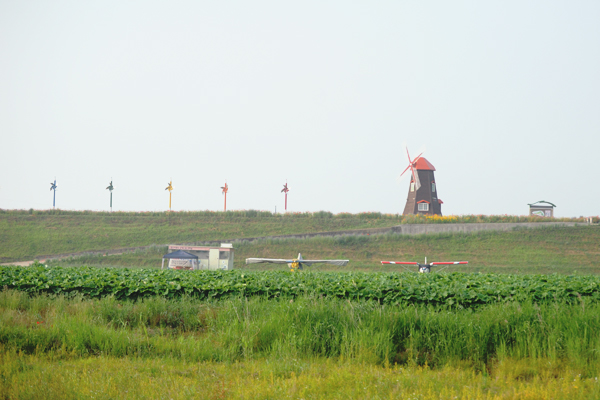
x: 210, y: 257
x: 180, y: 260
x: 542, y: 208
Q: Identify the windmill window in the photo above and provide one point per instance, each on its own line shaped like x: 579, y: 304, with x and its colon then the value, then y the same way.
x: 423, y: 206
x: 433, y: 187
x: 412, y: 186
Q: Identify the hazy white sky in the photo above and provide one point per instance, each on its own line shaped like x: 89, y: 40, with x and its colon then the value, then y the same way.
x: 503, y: 96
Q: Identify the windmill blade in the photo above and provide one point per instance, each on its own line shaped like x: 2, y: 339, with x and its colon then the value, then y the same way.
x: 268, y: 260
x: 407, y: 168
x: 411, y: 166
x: 417, y: 158
x: 415, y: 173
x: 400, y: 262
x: 449, y: 263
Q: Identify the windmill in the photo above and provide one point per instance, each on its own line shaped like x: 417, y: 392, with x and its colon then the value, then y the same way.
x: 225, y: 190
x: 53, y: 187
x: 422, y: 193
x: 169, y: 188
x: 110, y: 188
x: 285, y: 190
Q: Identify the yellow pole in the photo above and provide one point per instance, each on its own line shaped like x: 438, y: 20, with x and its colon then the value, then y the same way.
x: 169, y: 188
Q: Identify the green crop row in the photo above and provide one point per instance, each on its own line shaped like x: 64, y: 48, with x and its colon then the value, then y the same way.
x: 455, y: 289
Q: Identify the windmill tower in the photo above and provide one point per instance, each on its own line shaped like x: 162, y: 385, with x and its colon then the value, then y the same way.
x: 53, y: 187
x: 169, y: 188
x: 285, y: 190
x: 110, y: 187
x: 422, y: 192
x: 225, y: 190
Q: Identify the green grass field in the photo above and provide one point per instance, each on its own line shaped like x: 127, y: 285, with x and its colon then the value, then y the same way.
x: 564, y: 250
x: 307, y: 347
x: 314, y: 348
x: 25, y: 235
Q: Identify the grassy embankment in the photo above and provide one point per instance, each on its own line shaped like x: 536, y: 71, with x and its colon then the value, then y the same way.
x: 26, y: 235
x: 53, y: 347
x: 564, y: 250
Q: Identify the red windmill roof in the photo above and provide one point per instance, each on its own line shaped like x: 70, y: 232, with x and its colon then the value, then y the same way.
x: 423, y: 164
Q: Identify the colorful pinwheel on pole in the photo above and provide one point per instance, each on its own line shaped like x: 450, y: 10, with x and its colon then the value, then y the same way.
x: 285, y: 190
x: 225, y: 189
x: 53, y: 187
x: 110, y: 187
x: 169, y: 188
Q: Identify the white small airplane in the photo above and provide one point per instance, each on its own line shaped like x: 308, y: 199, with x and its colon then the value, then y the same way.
x: 296, y: 263
x: 425, y: 268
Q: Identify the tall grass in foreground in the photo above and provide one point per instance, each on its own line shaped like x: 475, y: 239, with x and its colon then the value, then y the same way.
x: 242, y: 329
x: 43, y: 377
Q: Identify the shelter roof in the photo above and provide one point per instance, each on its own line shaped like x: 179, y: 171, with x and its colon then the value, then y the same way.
x: 181, y: 255
x: 542, y: 203
x: 423, y: 164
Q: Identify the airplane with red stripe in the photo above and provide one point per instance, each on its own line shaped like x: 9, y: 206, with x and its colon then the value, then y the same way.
x: 426, y: 268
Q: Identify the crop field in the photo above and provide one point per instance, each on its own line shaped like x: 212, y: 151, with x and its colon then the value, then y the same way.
x: 456, y: 289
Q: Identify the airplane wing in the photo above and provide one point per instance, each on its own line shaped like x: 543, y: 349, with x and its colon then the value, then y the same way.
x: 268, y: 260
x: 449, y: 263
x: 400, y: 262
x: 341, y: 263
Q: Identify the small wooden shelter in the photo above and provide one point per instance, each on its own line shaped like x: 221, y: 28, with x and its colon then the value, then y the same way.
x: 542, y: 208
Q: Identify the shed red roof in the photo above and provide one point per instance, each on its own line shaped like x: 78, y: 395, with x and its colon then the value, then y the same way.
x: 423, y: 164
